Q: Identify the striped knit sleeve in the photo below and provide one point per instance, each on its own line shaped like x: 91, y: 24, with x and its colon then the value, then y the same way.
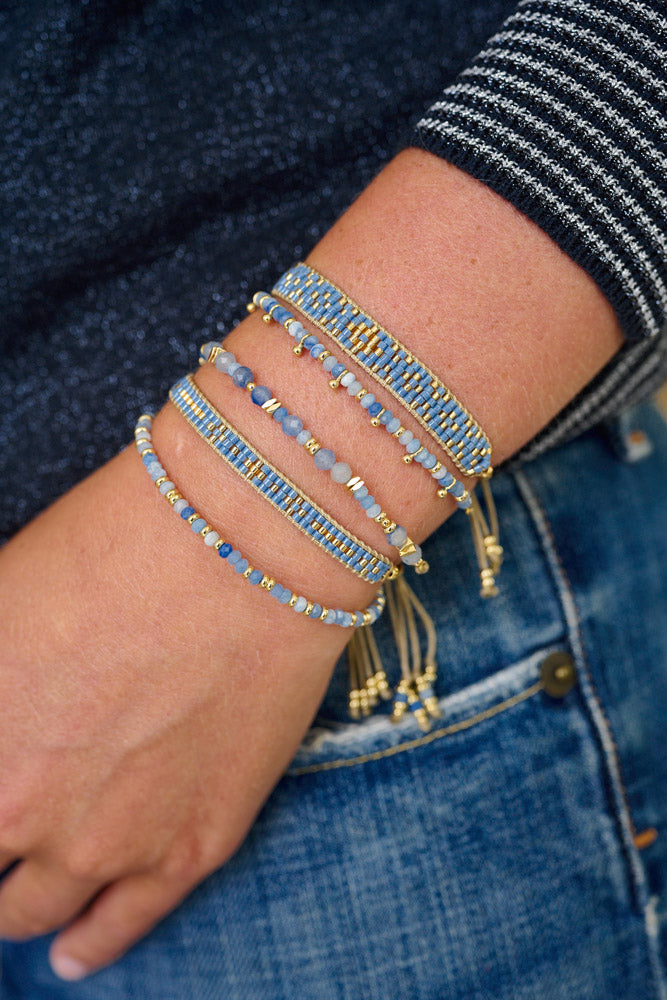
x: 564, y: 114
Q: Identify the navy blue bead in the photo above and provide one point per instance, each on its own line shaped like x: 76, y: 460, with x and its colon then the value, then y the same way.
x: 224, y: 549
x: 242, y: 376
x: 187, y: 512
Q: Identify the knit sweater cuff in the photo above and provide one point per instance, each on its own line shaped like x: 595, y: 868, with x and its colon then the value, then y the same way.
x: 562, y: 114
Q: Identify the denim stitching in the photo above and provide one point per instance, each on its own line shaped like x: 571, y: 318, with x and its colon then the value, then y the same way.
x: 420, y: 741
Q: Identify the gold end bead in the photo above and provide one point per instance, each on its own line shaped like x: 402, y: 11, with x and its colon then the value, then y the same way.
x: 335, y: 382
x: 267, y: 318
x: 375, y: 421
x: 251, y: 307
x: 422, y: 567
x: 298, y: 348
x: 408, y: 459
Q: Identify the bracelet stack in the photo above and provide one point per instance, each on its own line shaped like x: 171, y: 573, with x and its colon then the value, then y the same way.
x: 369, y: 351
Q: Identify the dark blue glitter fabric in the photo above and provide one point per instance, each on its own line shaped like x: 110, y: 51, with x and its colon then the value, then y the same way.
x: 162, y: 160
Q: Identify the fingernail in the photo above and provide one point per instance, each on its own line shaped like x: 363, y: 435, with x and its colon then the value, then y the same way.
x: 67, y: 967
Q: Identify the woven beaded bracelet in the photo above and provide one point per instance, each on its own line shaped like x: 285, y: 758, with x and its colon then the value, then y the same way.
x: 448, y: 485
x: 291, y: 501
x: 484, y: 530
x: 325, y: 460
x: 391, y: 364
x: 212, y: 539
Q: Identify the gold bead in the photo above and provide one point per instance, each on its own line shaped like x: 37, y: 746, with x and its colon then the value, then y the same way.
x: 246, y: 572
x: 312, y: 446
x: 407, y: 459
x: 335, y: 382
x: 267, y: 318
x: 422, y: 567
x: 160, y: 481
x: 251, y: 307
x: 250, y: 386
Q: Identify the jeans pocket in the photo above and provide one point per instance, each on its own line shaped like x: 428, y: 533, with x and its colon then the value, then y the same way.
x: 337, y: 744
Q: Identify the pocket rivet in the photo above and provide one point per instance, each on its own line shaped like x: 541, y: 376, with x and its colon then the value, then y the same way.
x: 558, y: 674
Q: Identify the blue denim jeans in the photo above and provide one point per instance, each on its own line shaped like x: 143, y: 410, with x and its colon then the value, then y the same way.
x: 511, y: 853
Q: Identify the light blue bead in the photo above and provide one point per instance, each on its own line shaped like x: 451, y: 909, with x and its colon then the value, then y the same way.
x: 317, y: 350
x: 405, y: 437
x: 156, y: 473
x: 276, y: 590
x: 374, y: 510
x: 280, y: 414
x: 429, y: 461
x: 296, y: 330
x: 368, y: 400
x: 310, y: 341
x: 341, y: 472
x: 206, y: 349
x: 317, y: 611
x: 347, y: 379
x: 393, y: 425
x: 233, y: 367
x: 165, y: 487
x: 234, y: 557
x: 224, y: 360
x: 211, y: 538
x: 292, y: 425
x: 354, y: 387
x: 367, y: 502
x: 413, y: 446
x: 301, y: 605
x: 255, y: 577
x: 386, y: 417
x: 303, y: 437
x: 360, y: 493
x: 324, y: 459
x: 285, y: 596
x: 148, y: 459
x: 397, y: 536
x: 329, y: 363
x: 413, y: 557
x: 260, y: 394
x: 241, y: 566
x: 198, y: 524
x: 180, y: 505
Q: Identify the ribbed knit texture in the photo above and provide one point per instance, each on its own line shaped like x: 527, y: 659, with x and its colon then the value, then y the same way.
x: 563, y: 114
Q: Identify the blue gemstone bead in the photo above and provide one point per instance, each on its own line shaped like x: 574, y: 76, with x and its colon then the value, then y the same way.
x: 309, y: 342
x: 324, y: 459
x: 148, y: 459
x: 285, y: 596
x: 393, y: 425
x: 367, y: 502
x: 360, y: 493
x: 429, y: 461
x: 374, y: 409
x: 292, y: 425
x: 337, y: 370
x: 187, y: 512
x: 242, y: 376
x: 368, y: 400
x: 280, y: 414
x: 276, y: 590
x: 317, y: 350
x: 329, y: 363
x: 234, y: 557
x: 260, y: 394
x: 198, y: 525
x: 413, y: 446
x: 386, y: 417
x: 255, y: 577
x: 241, y: 566
x: 317, y: 611
x: 224, y: 549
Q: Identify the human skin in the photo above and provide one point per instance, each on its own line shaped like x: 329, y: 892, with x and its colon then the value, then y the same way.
x: 151, y: 698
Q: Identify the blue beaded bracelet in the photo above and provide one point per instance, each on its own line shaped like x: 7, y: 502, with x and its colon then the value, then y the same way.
x: 291, y: 501
x: 324, y: 458
x: 391, y: 364
x: 447, y: 484
x: 214, y: 541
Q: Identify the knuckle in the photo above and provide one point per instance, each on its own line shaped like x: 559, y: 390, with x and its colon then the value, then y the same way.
x: 84, y: 862
x: 20, y: 921
x: 189, y: 860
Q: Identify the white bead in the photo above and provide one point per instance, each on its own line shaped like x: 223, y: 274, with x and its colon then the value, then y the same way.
x: 211, y: 538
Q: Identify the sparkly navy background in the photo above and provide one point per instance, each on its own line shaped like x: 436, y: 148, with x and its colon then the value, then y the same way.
x: 159, y: 162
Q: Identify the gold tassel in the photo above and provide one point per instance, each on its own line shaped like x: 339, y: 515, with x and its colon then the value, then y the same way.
x: 485, y: 532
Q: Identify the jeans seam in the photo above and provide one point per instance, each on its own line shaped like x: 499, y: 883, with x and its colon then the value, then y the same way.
x: 419, y: 741
x: 598, y: 716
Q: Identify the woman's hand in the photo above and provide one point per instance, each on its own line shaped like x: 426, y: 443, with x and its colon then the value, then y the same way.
x: 149, y: 707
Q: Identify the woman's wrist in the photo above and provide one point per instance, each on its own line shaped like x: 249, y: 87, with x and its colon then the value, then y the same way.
x: 479, y: 293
